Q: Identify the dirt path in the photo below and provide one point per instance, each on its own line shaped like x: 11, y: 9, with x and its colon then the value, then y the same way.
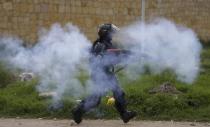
x: 95, y: 123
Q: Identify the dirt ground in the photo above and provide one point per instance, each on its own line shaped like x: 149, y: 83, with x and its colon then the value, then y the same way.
x: 95, y: 123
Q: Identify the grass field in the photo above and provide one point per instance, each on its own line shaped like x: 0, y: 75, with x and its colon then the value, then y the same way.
x: 21, y: 99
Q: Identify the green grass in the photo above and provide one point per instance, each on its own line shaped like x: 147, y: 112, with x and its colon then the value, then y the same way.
x: 21, y: 99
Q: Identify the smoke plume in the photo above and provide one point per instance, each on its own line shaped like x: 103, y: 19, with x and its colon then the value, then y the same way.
x: 161, y: 45
x: 56, y: 58
x: 62, y: 52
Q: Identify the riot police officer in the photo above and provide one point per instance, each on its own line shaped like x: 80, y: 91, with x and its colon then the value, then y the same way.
x: 103, y: 76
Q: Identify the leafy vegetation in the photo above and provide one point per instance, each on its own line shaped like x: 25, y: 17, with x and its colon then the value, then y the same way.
x: 21, y: 98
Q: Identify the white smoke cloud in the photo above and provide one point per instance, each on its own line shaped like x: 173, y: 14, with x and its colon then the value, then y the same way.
x: 162, y: 45
x: 56, y: 58
x: 61, y: 52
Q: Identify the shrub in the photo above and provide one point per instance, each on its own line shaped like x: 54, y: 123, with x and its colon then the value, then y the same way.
x: 6, y: 77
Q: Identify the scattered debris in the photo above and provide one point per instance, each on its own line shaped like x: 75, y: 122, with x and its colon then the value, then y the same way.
x: 78, y: 100
x: 47, y: 94
x: 166, y: 87
x: 72, y: 123
x: 172, y: 123
x: 26, y: 76
x: 192, y: 124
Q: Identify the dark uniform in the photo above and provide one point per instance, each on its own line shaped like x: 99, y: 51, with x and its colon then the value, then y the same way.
x: 103, y: 76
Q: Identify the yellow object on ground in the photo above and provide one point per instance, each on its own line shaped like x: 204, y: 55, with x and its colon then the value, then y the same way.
x: 110, y: 101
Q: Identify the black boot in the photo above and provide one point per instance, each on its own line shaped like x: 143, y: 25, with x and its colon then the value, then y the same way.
x: 77, y: 113
x: 126, y: 116
x: 120, y: 105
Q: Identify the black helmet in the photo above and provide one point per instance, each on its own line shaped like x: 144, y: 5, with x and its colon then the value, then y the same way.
x: 106, y: 30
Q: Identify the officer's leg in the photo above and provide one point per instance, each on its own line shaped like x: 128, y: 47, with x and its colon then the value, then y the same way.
x: 85, y: 105
x: 119, y: 95
x: 120, y: 102
x: 91, y: 102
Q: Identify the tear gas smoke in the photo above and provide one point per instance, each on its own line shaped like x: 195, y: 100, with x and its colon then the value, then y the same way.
x: 61, y: 52
x: 161, y: 45
x: 56, y: 58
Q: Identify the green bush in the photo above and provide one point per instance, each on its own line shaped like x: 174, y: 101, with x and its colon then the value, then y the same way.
x: 6, y: 77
